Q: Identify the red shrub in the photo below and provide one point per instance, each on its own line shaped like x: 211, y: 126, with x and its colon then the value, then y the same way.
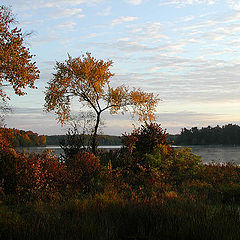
x: 6, y: 138
x: 145, y: 139
x: 39, y: 176
x: 83, y: 168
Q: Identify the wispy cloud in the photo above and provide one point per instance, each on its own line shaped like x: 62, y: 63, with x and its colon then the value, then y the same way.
x: 149, y: 30
x: 36, y: 4
x: 66, y: 13
x: 67, y: 25
x: 181, y: 3
x: 134, y: 2
x: 123, y: 19
x: 34, y: 119
x: 187, y: 19
x: 93, y: 35
x: 234, y: 4
x: 105, y: 11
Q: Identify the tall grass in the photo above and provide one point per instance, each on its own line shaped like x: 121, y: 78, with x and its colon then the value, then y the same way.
x: 99, y: 217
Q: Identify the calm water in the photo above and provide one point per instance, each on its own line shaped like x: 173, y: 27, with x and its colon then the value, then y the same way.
x: 208, y: 153
x: 57, y: 150
x: 218, y: 153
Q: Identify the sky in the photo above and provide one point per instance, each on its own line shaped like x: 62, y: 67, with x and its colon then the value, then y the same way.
x: 186, y: 51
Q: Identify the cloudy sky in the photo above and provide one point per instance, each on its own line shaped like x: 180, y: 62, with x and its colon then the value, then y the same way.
x: 187, y: 51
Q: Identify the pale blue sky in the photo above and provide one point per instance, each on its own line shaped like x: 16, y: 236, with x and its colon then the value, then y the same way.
x: 187, y: 51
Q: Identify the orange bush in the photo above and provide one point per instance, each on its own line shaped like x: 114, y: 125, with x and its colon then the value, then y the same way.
x: 39, y: 176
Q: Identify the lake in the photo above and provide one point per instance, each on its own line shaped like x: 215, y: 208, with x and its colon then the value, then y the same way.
x: 208, y: 153
x: 56, y: 149
x: 217, y: 153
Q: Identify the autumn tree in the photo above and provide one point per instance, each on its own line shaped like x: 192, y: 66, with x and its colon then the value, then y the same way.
x: 88, y: 80
x: 16, y: 66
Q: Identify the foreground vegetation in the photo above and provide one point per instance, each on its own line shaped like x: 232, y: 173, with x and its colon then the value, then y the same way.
x: 103, y: 217
x: 146, y: 190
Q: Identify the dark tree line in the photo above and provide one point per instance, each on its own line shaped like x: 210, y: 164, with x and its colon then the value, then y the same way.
x: 227, y: 134
x: 103, y: 140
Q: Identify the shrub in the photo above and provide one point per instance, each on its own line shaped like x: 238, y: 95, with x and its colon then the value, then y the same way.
x: 224, y: 178
x: 83, y: 171
x: 39, y: 176
x: 71, y: 145
x: 32, y: 176
x: 138, y: 172
x: 145, y: 139
x: 8, y: 169
x: 180, y: 166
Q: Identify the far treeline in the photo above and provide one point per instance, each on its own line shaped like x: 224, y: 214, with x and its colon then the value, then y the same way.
x: 227, y: 135
x: 21, y: 138
x: 103, y: 140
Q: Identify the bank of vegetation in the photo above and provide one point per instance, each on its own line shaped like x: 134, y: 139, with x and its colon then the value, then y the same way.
x: 146, y: 190
x: 103, y: 140
x: 21, y: 138
x: 226, y: 135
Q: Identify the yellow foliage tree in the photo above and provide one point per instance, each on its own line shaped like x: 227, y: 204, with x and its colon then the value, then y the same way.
x: 16, y: 66
x: 88, y: 80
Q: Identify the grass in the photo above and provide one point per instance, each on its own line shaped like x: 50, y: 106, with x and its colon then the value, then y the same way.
x: 100, y: 218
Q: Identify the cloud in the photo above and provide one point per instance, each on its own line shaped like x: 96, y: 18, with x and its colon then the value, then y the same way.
x: 181, y: 3
x: 123, y: 19
x: 105, y: 12
x: 36, y: 120
x: 134, y: 2
x: 190, y: 64
x: 37, y: 4
x: 175, y: 121
x: 33, y: 119
x: 187, y: 19
x: 92, y: 35
x: 149, y: 30
x: 72, y: 2
x: 186, y: 80
x: 67, y: 25
x: 234, y: 4
x: 67, y: 13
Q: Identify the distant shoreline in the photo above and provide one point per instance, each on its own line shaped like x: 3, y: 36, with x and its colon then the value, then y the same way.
x: 58, y: 147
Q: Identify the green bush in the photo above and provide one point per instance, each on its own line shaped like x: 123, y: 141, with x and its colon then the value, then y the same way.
x: 180, y: 166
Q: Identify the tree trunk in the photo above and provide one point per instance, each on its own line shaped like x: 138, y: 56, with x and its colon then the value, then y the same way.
x: 94, y: 137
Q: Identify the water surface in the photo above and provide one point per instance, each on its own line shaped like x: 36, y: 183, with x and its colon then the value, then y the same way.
x: 218, y: 153
x: 208, y: 153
